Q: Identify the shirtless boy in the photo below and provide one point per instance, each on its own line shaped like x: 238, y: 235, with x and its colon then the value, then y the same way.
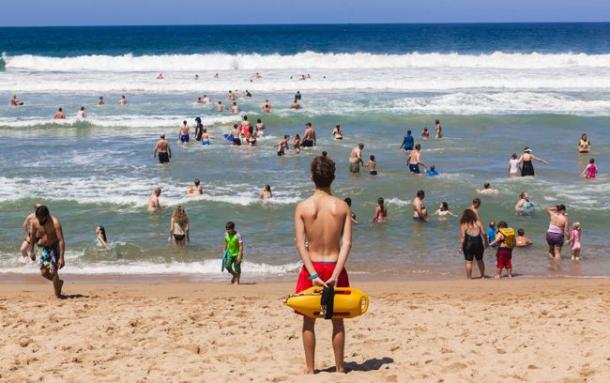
x: 414, y: 160
x: 324, y: 222
x: 153, y: 201
x: 47, y: 233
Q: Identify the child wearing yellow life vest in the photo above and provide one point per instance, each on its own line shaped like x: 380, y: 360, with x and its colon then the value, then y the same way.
x: 505, y: 241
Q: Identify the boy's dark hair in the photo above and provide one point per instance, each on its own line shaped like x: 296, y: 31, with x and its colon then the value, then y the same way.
x: 42, y: 211
x: 421, y: 194
x: 323, y: 171
x: 592, y: 161
x: 324, y: 153
x: 561, y: 207
x: 380, y: 200
x: 372, y: 157
x: 502, y: 224
x: 230, y: 225
x: 520, y: 232
x: 348, y: 201
x: 486, y: 185
x: 417, y: 146
x: 476, y: 202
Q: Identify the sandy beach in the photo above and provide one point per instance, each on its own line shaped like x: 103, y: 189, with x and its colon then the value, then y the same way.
x: 535, y: 330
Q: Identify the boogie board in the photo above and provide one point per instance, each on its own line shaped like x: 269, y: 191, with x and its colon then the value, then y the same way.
x: 348, y: 302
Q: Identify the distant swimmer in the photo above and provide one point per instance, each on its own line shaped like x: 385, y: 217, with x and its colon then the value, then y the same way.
x: 473, y: 242
x: 266, y: 106
x: 488, y: 190
x: 162, y: 150
x: 123, y: 100
x: 414, y: 160
x: 234, y: 108
x: 101, y: 237
x: 524, y: 206
x: 425, y: 135
x: 265, y: 193
x: 27, y: 247
x: 81, y: 113
x: 407, y: 142
x: 432, y: 172
x: 47, y: 233
x: 257, y: 76
x: 522, y: 240
x: 438, y: 130
x: 309, y: 136
x: 231, y: 96
x: 260, y: 128
x: 217, y: 76
x: 198, y: 129
x: 514, y: 166
x: 584, y: 145
x: 220, y: 107
x: 199, y: 100
x: 337, y: 133
x: 196, y: 76
x: 248, y: 93
x: 14, y: 102
x: 295, y: 104
x: 205, y: 99
x: 355, y: 158
x: 348, y: 201
x: 296, y: 143
x: 59, y: 115
x: 323, y: 232
x: 160, y: 76
x: 100, y: 101
x: 590, y: 172
x: 184, y: 133
x: 557, y: 231
x: 443, y: 211
x: 381, y: 212
x: 282, y: 146
x: 179, y: 230
x: 419, y: 209
x: 527, y: 167
x: 297, y: 95
x: 371, y: 165
x: 195, y: 188
x: 153, y: 202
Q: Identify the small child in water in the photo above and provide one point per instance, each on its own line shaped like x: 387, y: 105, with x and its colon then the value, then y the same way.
x: 381, y: 212
x: 522, y: 240
x: 443, y: 210
x: 432, y: 171
x: 575, y: 241
x: 491, y: 231
x: 348, y: 201
x: 371, y: 165
x: 488, y: 190
x: 102, y: 240
x: 590, y: 171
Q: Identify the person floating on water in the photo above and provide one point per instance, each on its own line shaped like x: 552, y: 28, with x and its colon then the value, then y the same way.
x: 59, y: 115
x: 527, y: 167
x: 309, y: 136
x: 355, y: 158
x: 522, y: 240
x: 584, y: 145
x: 419, y: 209
x: 265, y: 193
x: 407, y: 142
x: 557, y: 231
x: 590, y: 172
x: 162, y: 150
x: 473, y: 242
x: 381, y: 212
x: 414, y: 160
x: 505, y: 241
x: 432, y: 171
x: 195, y: 188
x: 179, y: 227
x: 337, y: 133
x: 47, y: 234
x: 488, y: 190
x: 153, y: 202
x: 102, y: 239
x: 443, y: 211
x: 323, y: 232
x: 234, y: 252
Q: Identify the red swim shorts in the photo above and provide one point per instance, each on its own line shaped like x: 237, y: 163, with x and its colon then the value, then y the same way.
x: 325, y: 271
x: 504, y: 257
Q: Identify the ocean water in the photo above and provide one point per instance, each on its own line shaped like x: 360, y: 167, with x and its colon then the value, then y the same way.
x: 495, y: 87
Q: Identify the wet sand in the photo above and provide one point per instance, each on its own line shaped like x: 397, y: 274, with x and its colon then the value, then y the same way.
x: 537, y: 330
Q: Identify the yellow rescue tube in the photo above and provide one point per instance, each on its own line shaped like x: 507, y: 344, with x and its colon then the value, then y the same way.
x: 349, y: 302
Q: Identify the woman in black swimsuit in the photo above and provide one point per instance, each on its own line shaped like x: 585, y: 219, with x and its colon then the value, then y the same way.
x: 473, y: 240
x: 527, y: 167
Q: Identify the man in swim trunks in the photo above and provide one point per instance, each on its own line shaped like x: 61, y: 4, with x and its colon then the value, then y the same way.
x: 153, y: 201
x: 355, y: 158
x: 47, y: 233
x: 309, y: 136
x: 184, y: 133
x: 282, y: 146
x: 414, y: 160
x: 407, y: 142
x: 162, y: 150
x: 420, y: 213
x: 323, y: 232
x: 558, y: 229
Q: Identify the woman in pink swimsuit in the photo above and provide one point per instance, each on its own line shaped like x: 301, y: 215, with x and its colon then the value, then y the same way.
x: 590, y: 171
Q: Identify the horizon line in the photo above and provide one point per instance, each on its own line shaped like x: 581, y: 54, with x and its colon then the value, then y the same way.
x: 309, y: 24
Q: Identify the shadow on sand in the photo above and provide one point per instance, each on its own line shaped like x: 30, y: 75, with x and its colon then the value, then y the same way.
x: 368, y: 365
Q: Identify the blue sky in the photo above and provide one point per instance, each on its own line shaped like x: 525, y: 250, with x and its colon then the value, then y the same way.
x: 136, y: 12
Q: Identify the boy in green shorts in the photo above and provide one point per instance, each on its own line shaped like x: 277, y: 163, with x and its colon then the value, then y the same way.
x: 234, y: 252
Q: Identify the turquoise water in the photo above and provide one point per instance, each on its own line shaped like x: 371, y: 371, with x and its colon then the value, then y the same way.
x: 496, y: 89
